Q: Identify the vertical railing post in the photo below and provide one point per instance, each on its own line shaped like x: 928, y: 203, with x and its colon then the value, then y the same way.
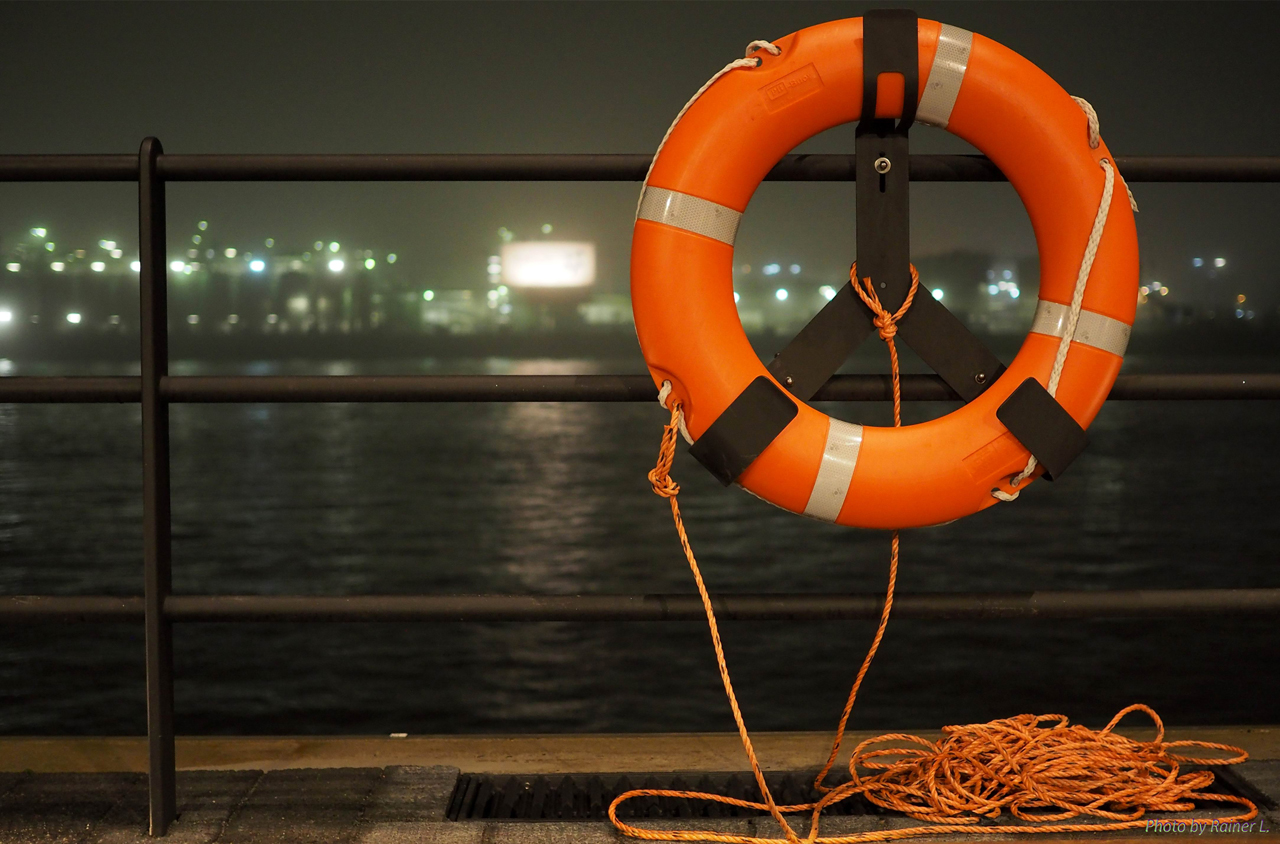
x: 156, y: 533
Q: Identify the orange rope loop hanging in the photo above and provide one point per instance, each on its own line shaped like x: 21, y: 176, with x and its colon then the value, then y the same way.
x: 1038, y: 768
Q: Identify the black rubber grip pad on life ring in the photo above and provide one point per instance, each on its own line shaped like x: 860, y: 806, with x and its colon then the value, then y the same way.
x: 744, y: 430
x: 1043, y: 426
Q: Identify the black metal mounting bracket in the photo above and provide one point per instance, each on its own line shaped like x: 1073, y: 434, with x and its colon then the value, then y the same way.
x: 882, y: 176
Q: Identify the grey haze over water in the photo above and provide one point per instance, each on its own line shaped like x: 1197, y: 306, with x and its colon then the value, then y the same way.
x: 1166, y: 78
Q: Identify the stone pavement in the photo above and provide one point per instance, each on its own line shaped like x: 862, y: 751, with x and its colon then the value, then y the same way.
x: 346, y: 806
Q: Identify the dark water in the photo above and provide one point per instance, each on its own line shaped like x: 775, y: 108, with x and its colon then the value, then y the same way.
x: 552, y: 498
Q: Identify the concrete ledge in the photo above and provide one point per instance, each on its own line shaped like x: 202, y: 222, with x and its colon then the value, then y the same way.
x: 509, y: 754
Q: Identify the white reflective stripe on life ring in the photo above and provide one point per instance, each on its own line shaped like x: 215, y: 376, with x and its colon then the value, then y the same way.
x: 1092, y: 329
x: 691, y: 213
x: 839, y: 457
x: 945, y: 76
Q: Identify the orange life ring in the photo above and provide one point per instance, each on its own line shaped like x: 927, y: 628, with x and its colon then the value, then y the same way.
x: 682, y: 267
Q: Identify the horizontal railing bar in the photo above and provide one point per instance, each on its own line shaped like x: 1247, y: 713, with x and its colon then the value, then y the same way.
x: 33, y: 389
x: 566, y: 388
x: 76, y: 609
x: 1171, y: 603
x: 619, y: 168
x: 68, y: 168
x: 411, y: 388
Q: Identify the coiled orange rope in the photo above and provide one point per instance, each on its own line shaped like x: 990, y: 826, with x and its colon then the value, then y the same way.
x: 1038, y: 768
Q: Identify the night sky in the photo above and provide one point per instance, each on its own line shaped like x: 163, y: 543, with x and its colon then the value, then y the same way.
x: 598, y: 77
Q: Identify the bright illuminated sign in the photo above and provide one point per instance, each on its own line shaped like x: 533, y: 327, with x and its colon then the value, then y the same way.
x: 540, y: 263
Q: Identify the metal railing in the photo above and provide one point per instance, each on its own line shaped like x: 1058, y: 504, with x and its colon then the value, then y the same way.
x: 158, y: 609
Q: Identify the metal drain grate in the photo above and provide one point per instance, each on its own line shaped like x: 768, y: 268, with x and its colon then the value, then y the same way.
x: 587, y: 797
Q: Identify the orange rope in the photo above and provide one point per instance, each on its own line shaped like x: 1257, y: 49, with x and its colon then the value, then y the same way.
x: 1023, y: 765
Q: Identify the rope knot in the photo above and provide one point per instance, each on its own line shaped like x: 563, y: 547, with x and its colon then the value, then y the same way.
x: 887, y: 326
x: 660, y: 475
x: 662, y: 484
x: 885, y: 322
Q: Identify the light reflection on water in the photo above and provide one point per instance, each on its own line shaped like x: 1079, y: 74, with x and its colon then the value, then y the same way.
x: 552, y: 498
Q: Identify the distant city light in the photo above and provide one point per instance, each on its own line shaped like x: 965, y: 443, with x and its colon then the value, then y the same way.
x: 230, y: 252
x: 13, y: 267
x: 202, y: 225
x: 193, y: 253
x: 107, y: 244
x: 114, y: 319
x: 736, y: 297
x: 369, y: 263
x: 938, y: 293
x: 49, y: 247
x: 257, y: 265
x: 1155, y: 285
x: 319, y: 245
x: 541, y: 263
x: 6, y: 316
x: 506, y: 235
x: 57, y: 266
x: 1014, y: 293
x: 1164, y: 291
x: 117, y: 253
x: 391, y: 259
x: 780, y: 294
x: 1008, y: 274
x: 177, y: 266
x: 795, y: 269
x: 546, y: 228
x: 770, y: 269
x: 746, y: 269
x: 97, y: 266
x: 1239, y: 314
x: 272, y: 319
x: 188, y: 269
x: 39, y: 232
x: 193, y: 319
x: 828, y: 292
x: 1144, y: 290
x: 428, y: 295
x: 136, y: 266
x: 1240, y: 299
x: 73, y: 318
x: 270, y: 242
x: 992, y: 289
x: 334, y: 247
x: 233, y: 318
x: 1197, y: 262
x: 502, y: 290
x: 1219, y: 262
x: 336, y: 265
